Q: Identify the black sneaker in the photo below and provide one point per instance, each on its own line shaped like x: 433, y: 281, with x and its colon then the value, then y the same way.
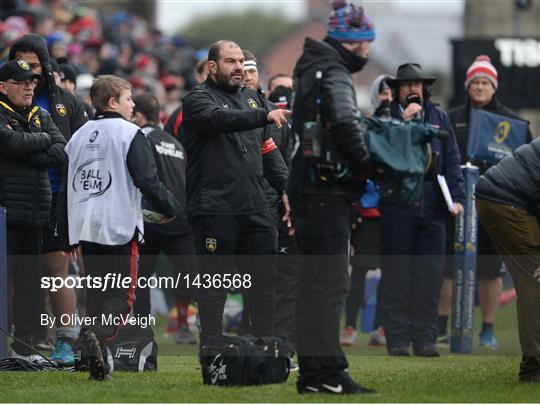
x: 341, y: 385
x: 402, y: 351
x: 96, y: 364
x: 427, y: 351
x: 529, y: 369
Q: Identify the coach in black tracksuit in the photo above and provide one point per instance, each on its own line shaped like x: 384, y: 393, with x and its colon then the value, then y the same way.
x: 227, y: 146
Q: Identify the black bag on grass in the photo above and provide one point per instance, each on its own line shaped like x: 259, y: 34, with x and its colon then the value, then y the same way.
x: 245, y: 360
x: 133, y: 349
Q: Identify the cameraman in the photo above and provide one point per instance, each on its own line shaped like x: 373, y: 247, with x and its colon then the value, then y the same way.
x: 322, y: 188
x: 414, y: 233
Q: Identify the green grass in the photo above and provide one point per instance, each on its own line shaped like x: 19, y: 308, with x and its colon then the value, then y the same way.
x: 485, y: 376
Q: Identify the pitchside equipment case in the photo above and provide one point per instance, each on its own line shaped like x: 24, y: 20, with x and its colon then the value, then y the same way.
x: 464, y: 268
x: 244, y: 360
x: 133, y: 349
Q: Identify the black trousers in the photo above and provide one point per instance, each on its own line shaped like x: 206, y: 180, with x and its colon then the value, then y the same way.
x: 367, y: 243
x: 322, y: 231
x: 24, y: 249
x: 288, y: 273
x: 180, y: 252
x: 113, y: 301
x: 412, y: 264
x: 230, y: 244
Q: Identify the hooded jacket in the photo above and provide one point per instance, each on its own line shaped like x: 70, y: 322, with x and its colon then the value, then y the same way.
x: 30, y: 143
x: 339, y: 116
x: 66, y: 111
x: 374, y: 101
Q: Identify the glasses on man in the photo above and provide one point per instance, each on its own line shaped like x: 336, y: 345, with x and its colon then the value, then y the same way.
x: 27, y: 82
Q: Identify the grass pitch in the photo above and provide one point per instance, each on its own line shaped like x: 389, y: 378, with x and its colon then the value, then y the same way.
x: 485, y: 376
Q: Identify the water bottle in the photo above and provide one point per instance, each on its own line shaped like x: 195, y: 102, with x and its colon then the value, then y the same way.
x: 373, y: 277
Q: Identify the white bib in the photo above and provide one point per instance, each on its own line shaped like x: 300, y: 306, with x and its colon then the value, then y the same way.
x: 104, y: 206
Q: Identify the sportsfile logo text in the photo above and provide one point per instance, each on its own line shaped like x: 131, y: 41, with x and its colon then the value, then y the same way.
x: 115, y: 280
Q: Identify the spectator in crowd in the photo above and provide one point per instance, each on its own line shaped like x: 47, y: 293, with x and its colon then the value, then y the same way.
x: 508, y: 201
x: 481, y: 84
x: 94, y: 150
x: 322, y: 190
x: 414, y: 233
x: 68, y: 115
x: 100, y: 43
x: 176, y: 238
x: 366, y: 240
x: 229, y: 153
x: 30, y: 143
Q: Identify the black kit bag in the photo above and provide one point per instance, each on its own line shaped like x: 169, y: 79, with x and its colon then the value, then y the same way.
x: 132, y: 349
x: 244, y: 360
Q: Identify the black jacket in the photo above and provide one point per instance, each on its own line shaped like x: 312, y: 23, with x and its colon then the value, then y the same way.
x: 338, y: 112
x: 230, y: 151
x: 66, y: 111
x: 170, y: 158
x: 172, y: 126
x: 460, y: 122
x: 284, y: 139
x: 515, y: 180
x: 30, y: 143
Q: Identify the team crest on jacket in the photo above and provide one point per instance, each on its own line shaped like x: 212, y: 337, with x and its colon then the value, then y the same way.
x: 37, y: 122
x: 211, y: 245
x: 61, y: 109
x: 252, y: 103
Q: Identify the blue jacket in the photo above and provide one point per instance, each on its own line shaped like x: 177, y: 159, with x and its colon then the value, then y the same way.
x: 447, y: 164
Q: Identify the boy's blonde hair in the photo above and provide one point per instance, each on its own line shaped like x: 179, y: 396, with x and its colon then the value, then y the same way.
x: 105, y: 87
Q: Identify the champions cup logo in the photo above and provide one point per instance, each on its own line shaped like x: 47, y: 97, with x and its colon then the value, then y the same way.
x: 502, y: 131
x: 88, y: 181
x: 61, y: 109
